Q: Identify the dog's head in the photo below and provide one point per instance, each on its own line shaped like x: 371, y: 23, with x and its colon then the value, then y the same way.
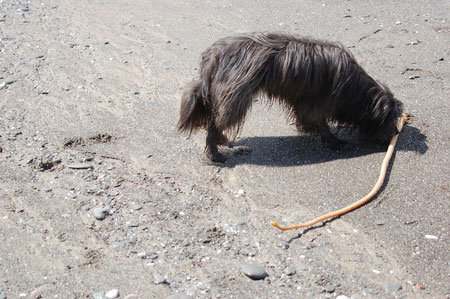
x: 381, y: 121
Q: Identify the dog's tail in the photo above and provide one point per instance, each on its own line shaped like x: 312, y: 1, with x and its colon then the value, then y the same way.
x: 194, y: 112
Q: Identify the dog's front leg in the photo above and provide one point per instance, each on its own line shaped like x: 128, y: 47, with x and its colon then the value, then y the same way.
x: 214, y: 138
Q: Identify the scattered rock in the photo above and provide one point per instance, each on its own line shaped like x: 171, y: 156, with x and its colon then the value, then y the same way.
x: 37, y: 293
x: 431, y: 237
x: 392, y: 287
x: 254, y: 271
x: 99, y: 295
x: 304, y: 267
x: 80, y: 166
x: 180, y: 296
x: 57, y: 159
x: 283, y: 244
x: 136, y: 206
x: 100, y: 213
x: 289, y: 271
x: 114, y: 293
x: 329, y: 288
x: 379, y: 222
x: 159, y: 279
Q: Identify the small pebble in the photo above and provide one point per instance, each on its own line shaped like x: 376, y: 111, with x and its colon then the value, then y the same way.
x: 136, y: 206
x: 379, y: 222
x: 180, y: 296
x: 100, y: 213
x: 80, y: 166
x: 3, y: 296
x: 159, y: 279
x: 283, y: 244
x: 392, y: 287
x: 329, y: 288
x: 431, y: 237
x: 303, y: 267
x: 57, y: 159
x: 289, y: 271
x: 254, y: 271
x: 133, y: 239
x: 114, y: 293
x: 99, y: 295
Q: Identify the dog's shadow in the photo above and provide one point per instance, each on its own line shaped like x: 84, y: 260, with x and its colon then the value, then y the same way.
x: 288, y: 151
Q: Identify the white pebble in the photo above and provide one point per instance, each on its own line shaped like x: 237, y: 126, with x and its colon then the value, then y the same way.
x: 431, y: 237
x: 114, y: 293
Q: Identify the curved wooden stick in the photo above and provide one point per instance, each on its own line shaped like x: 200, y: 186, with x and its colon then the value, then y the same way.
x: 363, y: 200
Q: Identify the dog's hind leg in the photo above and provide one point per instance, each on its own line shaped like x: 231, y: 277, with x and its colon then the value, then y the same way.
x: 213, y: 139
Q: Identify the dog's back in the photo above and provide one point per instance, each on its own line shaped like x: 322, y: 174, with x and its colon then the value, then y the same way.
x: 317, y: 81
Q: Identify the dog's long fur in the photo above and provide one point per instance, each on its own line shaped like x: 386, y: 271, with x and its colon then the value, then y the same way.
x: 317, y: 81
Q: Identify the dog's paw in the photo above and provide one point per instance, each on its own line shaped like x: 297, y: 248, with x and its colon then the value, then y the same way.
x: 217, y: 157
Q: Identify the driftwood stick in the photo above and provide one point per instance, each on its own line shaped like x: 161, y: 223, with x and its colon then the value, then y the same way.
x: 363, y: 200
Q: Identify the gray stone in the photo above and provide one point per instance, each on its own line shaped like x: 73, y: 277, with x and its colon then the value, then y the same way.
x: 159, y: 279
x: 114, y: 293
x: 304, y: 267
x: 180, y: 296
x: 283, y: 244
x: 136, y: 206
x: 116, y: 245
x: 329, y: 288
x: 100, y: 213
x: 99, y: 295
x: 80, y: 166
x: 3, y: 296
x: 290, y: 271
x: 254, y: 271
x: 392, y: 287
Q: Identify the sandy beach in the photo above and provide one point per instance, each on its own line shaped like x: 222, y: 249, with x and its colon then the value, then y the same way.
x: 99, y: 192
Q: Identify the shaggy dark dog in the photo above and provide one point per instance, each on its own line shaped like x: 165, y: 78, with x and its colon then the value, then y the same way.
x: 319, y: 83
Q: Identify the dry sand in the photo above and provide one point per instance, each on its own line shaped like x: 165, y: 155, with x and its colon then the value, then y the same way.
x: 99, y: 83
